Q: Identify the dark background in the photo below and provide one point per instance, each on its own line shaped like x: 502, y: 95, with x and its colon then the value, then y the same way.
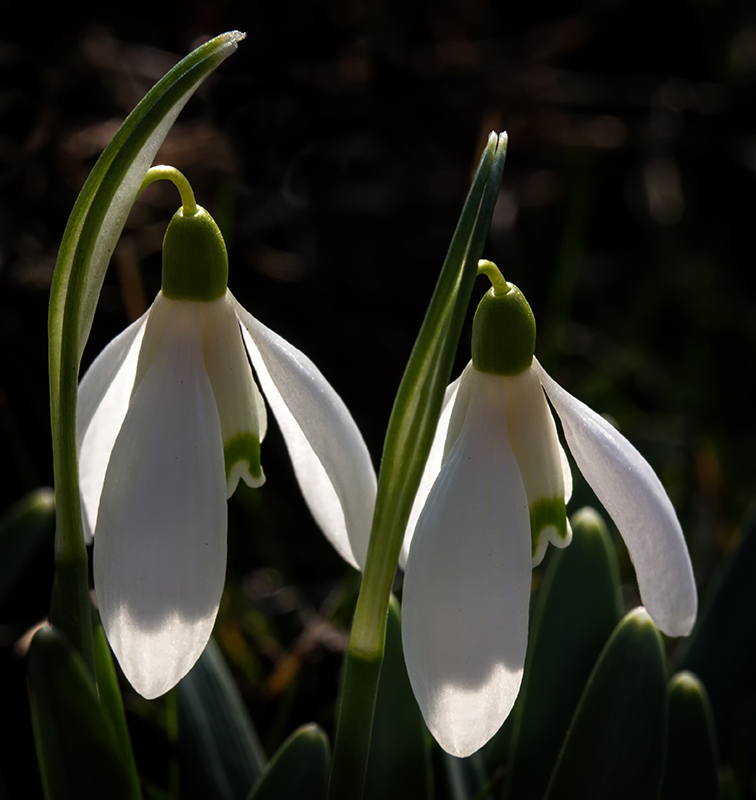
x: 335, y: 150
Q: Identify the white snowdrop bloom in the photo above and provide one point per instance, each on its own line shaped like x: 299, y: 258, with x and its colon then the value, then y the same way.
x: 169, y: 420
x: 492, y: 496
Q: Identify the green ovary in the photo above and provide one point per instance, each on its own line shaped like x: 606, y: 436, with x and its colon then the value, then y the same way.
x: 544, y: 513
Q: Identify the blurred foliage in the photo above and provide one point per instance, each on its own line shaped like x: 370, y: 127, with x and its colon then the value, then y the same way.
x: 335, y: 151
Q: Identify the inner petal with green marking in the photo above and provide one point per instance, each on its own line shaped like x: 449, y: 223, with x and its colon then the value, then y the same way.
x: 535, y: 444
x: 240, y: 405
x: 548, y: 523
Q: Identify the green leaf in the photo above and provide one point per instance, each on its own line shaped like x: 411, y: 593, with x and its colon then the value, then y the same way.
x: 691, y: 771
x: 93, y: 228
x: 77, y: 749
x: 576, y: 612
x: 399, y: 765
x: 216, y: 739
x: 23, y: 529
x: 298, y: 770
x: 466, y: 778
x: 615, y: 745
x: 109, y: 693
x: 408, y: 440
x: 721, y: 650
x: 417, y: 406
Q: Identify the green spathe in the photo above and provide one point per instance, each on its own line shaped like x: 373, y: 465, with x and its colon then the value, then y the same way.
x: 195, y: 260
x: 503, y: 334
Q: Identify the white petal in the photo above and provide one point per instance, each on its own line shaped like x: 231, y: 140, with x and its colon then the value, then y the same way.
x: 432, y: 465
x: 535, y: 444
x: 240, y: 405
x: 634, y: 497
x: 330, y: 458
x: 467, y: 584
x: 160, y: 546
x: 566, y: 474
x: 104, y: 394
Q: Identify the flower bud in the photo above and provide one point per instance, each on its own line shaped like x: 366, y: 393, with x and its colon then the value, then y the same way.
x: 195, y: 260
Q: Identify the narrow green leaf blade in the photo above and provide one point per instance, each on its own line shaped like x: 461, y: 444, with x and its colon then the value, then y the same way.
x: 100, y: 212
x: 23, y: 529
x: 77, y: 749
x: 721, y: 650
x: 109, y: 693
x: 217, y: 741
x: 466, y: 778
x: 399, y: 763
x: 691, y: 770
x: 299, y: 769
x: 615, y: 744
x: 576, y: 612
x: 412, y: 425
x: 418, y: 402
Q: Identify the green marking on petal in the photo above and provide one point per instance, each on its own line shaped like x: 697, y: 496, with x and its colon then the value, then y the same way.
x: 545, y: 513
x: 244, y: 447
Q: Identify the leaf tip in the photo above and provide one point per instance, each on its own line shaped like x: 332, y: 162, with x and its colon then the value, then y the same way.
x: 234, y: 37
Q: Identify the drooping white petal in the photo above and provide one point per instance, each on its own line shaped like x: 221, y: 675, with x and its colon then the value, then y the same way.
x: 104, y: 394
x: 566, y: 474
x: 329, y: 455
x: 467, y: 583
x: 634, y: 497
x: 535, y: 444
x: 241, y: 408
x: 432, y: 465
x: 160, y: 544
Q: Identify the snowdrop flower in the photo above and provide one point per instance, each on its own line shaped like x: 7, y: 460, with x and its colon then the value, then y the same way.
x: 169, y: 420
x: 492, y: 496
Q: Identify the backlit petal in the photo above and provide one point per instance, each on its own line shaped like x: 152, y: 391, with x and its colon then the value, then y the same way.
x: 104, y: 394
x: 330, y: 458
x: 634, y: 497
x: 160, y: 545
x: 535, y: 444
x: 467, y: 584
x: 240, y: 406
x: 432, y: 466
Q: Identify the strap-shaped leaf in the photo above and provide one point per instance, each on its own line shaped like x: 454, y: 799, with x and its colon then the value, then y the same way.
x: 23, y: 528
x: 577, y: 610
x: 399, y: 765
x: 109, y: 692
x: 299, y: 769
x: 77, y: 749
x: 466, y: 778
x: 691, y: 769
x: 721, y: 650
x: 218, y: 744
x: 412, y: 425
x: 615, y: 744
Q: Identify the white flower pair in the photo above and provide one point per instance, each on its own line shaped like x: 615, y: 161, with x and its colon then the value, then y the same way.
x: 170, y: 419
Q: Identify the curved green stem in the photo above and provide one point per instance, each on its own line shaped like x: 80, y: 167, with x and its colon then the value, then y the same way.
x: 493, y: 273
x: 178, y: 179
